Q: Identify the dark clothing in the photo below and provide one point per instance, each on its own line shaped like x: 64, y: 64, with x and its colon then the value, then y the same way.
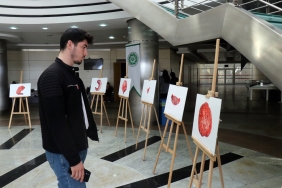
x: 61, y: 112
x: 173, y: 80
x: 108, y: 94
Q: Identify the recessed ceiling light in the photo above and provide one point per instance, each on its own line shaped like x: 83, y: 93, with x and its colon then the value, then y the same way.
x: 73, y: 26
x: 45, y: 28
x: 13, y: 28
x: 111, y: 37
x: 103, y: 25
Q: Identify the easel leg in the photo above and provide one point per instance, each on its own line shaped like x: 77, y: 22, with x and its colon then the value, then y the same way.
x: 147, y: 134
x: 28, y: 113
x: 106, y: 113
x: 22, y: 104
x: 139, y: 126
x: 91, y: 106
x: 126, y: 119
x: 158, y: 122
x: 131, y: 118
x: 12, y: 112
x: 210, y: 173
x: 202, y: 169
x: 194, y: 167
x: 189, y: 147
x: 161, y: 145
x: 118, y: 116
x: 219, y: 165
x: 173, y: 155
x: 169, y: 135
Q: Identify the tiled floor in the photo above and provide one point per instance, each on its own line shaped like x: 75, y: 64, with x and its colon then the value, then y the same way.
x: 250, y: 140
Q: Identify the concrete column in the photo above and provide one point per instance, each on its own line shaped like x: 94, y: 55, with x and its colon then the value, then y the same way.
x: 4, y: 88
x: 149, y: 50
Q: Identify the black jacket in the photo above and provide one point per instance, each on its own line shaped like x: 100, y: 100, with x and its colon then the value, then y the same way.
x: 61, y: 114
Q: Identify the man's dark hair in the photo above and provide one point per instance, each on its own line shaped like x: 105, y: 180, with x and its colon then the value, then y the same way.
x: 75, y: 35
x: 166, y: 76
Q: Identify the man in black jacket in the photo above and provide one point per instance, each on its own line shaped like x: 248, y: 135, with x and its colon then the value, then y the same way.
x: 65, y: 116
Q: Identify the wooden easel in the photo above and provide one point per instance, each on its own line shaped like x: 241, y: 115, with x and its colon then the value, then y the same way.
x: 178, y: 124
x: 124, y: 102
x: 101, y: 95
x: 21, y: 107
x: 200, y: 146
x: 148, y: 110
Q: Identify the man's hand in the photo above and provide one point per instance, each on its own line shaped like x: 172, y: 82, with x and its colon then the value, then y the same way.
x: 77, y: 172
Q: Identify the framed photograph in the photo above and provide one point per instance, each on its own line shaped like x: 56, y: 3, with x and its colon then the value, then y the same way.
x: 148, y: 92
x: 98, y: 85
x: 124, y: 87
x: 206, y: 120
x: 20, y: 90
x: 175, y: 101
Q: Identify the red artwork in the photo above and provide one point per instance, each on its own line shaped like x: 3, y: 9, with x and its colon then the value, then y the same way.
x: 124, y: 86
x: 20, y: 89
x: 175, y: 100
x: 148, y: 89
x: 99, y: 85
x: 205, y: 120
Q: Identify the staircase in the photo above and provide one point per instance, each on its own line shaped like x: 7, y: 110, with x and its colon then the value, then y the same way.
x: 251, y: 34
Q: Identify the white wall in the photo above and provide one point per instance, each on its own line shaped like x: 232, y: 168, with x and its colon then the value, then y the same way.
x: 34, y: 62
x: 164, y: 59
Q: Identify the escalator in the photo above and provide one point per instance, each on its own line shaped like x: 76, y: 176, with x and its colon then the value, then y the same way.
x: 258, y: 40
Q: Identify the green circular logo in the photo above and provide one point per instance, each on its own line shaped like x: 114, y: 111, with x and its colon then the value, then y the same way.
x: 132, y: 59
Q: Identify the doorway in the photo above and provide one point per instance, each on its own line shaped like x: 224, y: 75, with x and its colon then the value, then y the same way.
x: 225, y: 76
x: 119, y: 72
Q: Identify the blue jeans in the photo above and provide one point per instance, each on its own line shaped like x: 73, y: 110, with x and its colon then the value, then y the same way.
x: 60, y: 166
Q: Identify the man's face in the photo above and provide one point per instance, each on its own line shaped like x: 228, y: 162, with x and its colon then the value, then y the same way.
x: 79, y: 52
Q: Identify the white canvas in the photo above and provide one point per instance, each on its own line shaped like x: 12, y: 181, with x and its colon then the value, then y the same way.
x: 98, y: 85
x: 20, y: 90
x: 124, y: 87
x: 175, y: 101
x: 148, y: 92
x: 206, y: 120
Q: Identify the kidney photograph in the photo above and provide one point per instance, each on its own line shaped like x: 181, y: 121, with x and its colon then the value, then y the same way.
x: 175, y: 101
x: 20, y: 90
x: 124, y: 87
x: 206, y: 120
x: 98, y: 85
x: 148, y: 92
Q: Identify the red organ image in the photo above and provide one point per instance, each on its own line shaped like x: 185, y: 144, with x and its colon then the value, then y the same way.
x: 148, y: 89
x: 175, y: 100
x: 99, y: 85
x: 124, y: 86
x: 205, y: 120
x: 20, y: 89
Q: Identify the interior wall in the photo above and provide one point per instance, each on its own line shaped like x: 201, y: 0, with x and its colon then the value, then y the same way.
x: 249, y: 73
x: 164, y: 59
x: 34, y: 62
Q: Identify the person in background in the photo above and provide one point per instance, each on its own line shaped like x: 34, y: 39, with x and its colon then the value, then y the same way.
x: 109, y: 91
x: 173, y: 79
x: 65, y: 115
x: 164, y: 84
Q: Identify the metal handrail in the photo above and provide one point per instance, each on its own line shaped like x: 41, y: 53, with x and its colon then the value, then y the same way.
x: 199, y: 4
x: 197, y: 9
x: 272, y: 5
x: 267, y: 4
x: 248, y: 2
x: 193, y: 6
x: 274, y: 12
